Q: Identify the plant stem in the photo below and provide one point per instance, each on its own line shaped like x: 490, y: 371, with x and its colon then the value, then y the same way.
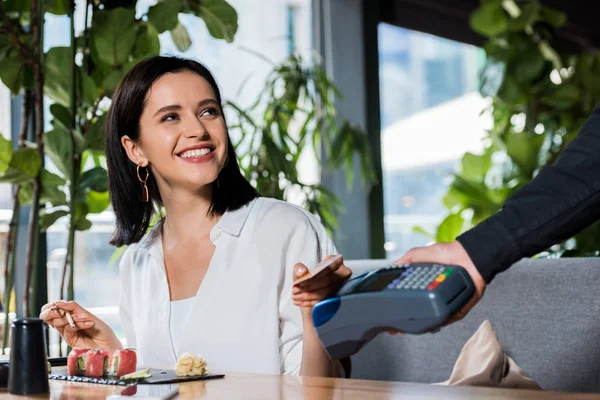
x: 68, y: 264
x: 38, y: 76
x: 14, y: 32
x: 9, y: 271
x: 85, y: 64
x: 13, y: 227
x: 75, y: 96
x: 71, y: 252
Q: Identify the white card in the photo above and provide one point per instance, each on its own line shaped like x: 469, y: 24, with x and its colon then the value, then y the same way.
x: 318, y: 270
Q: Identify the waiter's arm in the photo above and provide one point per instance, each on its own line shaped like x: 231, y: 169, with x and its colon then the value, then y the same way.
x: 560, y: 201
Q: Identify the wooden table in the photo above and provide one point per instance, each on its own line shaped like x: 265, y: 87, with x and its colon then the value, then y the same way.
x: 265, y: 387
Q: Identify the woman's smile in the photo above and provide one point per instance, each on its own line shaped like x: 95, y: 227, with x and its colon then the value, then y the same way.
x: 197, y: 154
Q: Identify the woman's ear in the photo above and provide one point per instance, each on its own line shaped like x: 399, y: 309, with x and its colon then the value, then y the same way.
x: 134, y: 151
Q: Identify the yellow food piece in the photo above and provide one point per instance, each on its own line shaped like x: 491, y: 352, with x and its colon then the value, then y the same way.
x: 190, y: 365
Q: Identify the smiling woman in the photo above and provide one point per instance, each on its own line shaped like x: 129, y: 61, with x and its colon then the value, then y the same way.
x: 215, y: 275
x: 169, y: 107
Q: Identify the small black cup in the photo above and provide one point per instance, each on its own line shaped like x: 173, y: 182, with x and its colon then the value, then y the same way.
x: 28, y: 372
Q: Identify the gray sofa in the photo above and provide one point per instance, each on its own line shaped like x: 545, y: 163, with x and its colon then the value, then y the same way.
x: 546, y: 313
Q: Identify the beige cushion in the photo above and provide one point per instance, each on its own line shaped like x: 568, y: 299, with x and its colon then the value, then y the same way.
x: 482, y: 362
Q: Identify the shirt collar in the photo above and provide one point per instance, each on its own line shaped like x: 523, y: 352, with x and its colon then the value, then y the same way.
x: 232, y: 223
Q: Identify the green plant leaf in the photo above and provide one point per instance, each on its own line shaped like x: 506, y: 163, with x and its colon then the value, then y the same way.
x: 114, y: 34
x: 95, y: 179
x: 565, y: 96
x: 57, y: 80
x: 475, y: 167
x: 475, y: 192
x: 80, y: 144
x: 94, y: 137
x: 454, y: 199
x: 97, y: 202
x: 25, y: 193
x: 553, y: 17
x: 220, y: 17
x: 529, y: 15
x: 47, y: 219
x: 20, y: 6
x: 489, y: 19
x: 101, y: 70
x: 147, y: 43
x: 181, y: 37
x: 529, y: 66
x: 524, y: 150
x: 511, y: 92
x: 450, y: 228
x: 58, y: 147
x: 57, y: 7
x: 5, y: 45
x: 111, y: 81
x: 83, y: 224
x: 90, y: 92
x: 62, y: 115
x: 420, y: 230
x: 12, y: 72
x: 27, y: 161
x: 6, y: 152
x: 51, y: 189
x: 164, y: 15
x: 23, y: 167
x: 79, y: 217
x: 550, y: 54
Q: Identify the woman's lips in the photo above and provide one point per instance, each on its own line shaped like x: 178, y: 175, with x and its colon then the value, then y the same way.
x: 198, y: 156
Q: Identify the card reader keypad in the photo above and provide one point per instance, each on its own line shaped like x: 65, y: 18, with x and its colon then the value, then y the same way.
x: 419, y: 277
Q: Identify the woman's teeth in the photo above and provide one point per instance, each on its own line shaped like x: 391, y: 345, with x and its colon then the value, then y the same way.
x: 196, y: 153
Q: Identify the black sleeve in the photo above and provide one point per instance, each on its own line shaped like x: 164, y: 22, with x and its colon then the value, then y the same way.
x: 560, y: 201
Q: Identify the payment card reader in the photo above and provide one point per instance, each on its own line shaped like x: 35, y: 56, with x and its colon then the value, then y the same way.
x: 411, y: 298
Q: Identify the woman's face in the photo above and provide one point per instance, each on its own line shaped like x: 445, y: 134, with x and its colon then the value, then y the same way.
x: 183, y: 137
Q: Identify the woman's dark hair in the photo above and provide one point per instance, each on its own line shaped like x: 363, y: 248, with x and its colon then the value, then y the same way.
x: 230, y: 192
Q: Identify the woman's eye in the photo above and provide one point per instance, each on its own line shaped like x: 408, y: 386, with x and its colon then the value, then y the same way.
x: 210, y: 111
x: 170, y: 117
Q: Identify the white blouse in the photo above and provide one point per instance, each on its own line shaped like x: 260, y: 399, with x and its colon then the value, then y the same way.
x: 180, y: 310
x: 242, y: 318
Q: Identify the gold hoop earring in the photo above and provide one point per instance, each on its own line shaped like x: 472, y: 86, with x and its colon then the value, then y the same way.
x: 145, y: 195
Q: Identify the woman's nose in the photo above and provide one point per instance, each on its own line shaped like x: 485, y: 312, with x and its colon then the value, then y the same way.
x: 195, y: 128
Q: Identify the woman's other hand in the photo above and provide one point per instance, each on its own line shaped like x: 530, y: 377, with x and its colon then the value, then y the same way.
x: 308, y: 293
x: 89, y: 331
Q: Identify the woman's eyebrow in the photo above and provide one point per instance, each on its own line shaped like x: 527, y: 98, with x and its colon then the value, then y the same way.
x: 172, y: 107
x: 177, y: 107
x: 208, y: 101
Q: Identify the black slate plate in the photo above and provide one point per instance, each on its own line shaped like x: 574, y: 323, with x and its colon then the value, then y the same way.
x: 158, y: 376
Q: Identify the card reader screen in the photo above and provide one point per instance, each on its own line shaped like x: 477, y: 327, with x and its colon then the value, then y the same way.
x: 377, y: 282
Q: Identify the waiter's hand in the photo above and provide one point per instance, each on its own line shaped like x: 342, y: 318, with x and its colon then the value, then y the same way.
x: 449, y: 253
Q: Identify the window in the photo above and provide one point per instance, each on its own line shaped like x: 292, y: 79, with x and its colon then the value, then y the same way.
x: 291, y: 31
x: 430, y: 117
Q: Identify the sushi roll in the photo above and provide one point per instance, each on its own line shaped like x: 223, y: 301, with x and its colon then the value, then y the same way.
x: 76, y: 362
x: 124, y: 362
x: 98, y: 363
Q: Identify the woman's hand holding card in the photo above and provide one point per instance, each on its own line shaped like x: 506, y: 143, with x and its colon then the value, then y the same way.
x: 311, y: 287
